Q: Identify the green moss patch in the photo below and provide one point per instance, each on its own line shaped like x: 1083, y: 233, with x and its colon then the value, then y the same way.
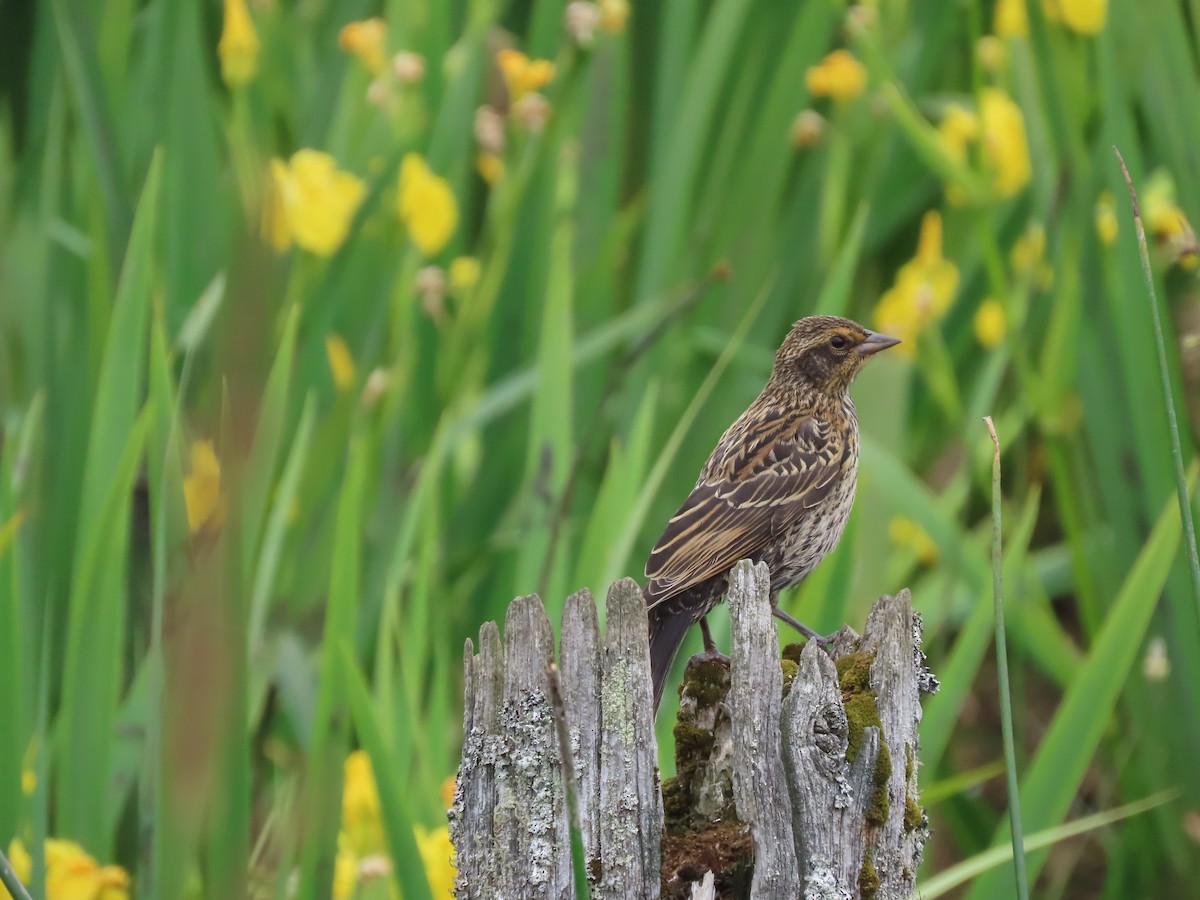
x: 868, y: 879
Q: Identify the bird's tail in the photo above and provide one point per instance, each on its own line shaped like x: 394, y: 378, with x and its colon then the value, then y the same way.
x: 667, y: 630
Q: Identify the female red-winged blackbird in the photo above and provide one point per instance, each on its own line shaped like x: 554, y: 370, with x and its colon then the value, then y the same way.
x: 777, y: 489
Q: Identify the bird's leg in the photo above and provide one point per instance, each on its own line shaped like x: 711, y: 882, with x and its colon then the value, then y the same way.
x: 800, y: 626
x: 710, y: 646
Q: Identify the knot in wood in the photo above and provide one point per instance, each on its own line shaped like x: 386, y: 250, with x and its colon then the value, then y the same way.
x: 831, y: 736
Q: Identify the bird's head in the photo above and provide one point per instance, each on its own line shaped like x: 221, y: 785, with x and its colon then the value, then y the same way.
x: 824, y: 354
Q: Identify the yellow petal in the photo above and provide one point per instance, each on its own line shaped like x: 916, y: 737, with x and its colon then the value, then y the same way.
x: 613, y: 15
x: 341, y: 363
x: 522, y: 74
x: 463, y: 274
x: 1011, y: 19
x: 437, y: 853
x: 202, y: 487
x: 929, y: 245
x: 426, y: 205
x: 317, y: 200
x: 1107, y: 225
x: 20, y: 860
x: 990, y: 323
x: 1004, y: 144
x: 239, y: 46
x: 366, y: 40
x: 839, y: 75
x: 1086, y: 17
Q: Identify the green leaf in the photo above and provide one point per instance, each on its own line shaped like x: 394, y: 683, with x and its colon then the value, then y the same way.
x: 93, y: 667
x: 97, y: 609
x: 323, y: 773
x: 1052, y: 781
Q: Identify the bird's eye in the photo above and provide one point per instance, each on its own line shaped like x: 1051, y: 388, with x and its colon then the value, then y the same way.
x: 837, y: 342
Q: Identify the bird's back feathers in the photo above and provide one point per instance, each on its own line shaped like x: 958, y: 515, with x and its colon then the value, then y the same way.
x: 766, y: 471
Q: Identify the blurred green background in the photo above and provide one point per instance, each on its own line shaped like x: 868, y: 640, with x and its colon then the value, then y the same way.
x: 328, y: 328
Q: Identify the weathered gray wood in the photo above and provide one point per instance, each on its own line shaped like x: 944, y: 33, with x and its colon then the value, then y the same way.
x: 898, y: 674
x: 631, y: 825
x: 760, y: 787
x: 826, y: 807
x: 851, y: 752
x: 580, y: 674
x: 475, y: 788
x: 530, y: 817
x: 824, y: 780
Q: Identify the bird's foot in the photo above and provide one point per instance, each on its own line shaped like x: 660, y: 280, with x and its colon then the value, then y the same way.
x: 801, y: 627
x: 710, y: 655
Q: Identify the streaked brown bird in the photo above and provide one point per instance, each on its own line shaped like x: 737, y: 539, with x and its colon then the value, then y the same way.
x: 777, y: 489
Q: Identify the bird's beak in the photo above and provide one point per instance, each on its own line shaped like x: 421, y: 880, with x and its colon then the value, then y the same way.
x: 876, y: 342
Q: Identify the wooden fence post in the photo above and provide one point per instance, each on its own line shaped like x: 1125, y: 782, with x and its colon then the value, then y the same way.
x: 812, y: 763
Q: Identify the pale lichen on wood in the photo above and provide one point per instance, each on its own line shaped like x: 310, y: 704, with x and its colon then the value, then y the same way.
x: 796, y: 786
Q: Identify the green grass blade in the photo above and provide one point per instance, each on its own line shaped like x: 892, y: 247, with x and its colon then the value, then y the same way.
x: 962, y: 873
x: 323, y: 774
x: 93, y: 666
x: 1164, y: 377
x: 95, y: 629
x: 83, y: 73
x: 1065, y: 752
x: 272, y: 544
x: 168, y: 523
x: 1006, y: 717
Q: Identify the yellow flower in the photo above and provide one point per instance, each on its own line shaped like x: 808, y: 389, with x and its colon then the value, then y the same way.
x: 990, y: 53
x: 1107, y: 225
x: 21, y: 862
x: 341, y: 363
x: 312, y: 202
x: 437, y: 853
x: 990, y: 323
x: 490, y: 167
x: 202, y: 488
x: 839, y: 75
x: 959, y: 127
x: 1004, y: 145
x: 1011, y: 19
x: 426, y: 205
x: 613, y: 15
x: 368, y: 41
x: 238, y: 46
x: 522, y: 74
x: 1028, y: 257
x: 345, y: 869
x: 1029, y: 249
x: 1081, y: 16
x: 361, y: 817
x: 906, y: 532
x: 464, y: 274
x: 923, y: 290
x: 1163, y: 218
x: 72, y: 874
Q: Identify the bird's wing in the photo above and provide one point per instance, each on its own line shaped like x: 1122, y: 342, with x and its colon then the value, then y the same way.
x: 745, y: 502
